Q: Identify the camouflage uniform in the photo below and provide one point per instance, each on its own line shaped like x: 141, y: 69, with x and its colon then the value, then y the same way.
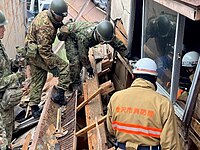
x: 3, y: 140
x: 39, y: 40
x: 79, y: 38
x: 164, y: 45
x: 10, y: 91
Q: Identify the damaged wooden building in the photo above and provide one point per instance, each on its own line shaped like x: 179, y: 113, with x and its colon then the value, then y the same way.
x: 81, y: 123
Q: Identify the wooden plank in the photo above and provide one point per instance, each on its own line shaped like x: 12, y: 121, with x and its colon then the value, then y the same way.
x: 119, y: 25
x: 106, y: 63
x: 195, y: 3
x: 197, y: 110
x: 104, y: 72
x: 88, y: 128
x: 99, y: 67
x: 85, y: 102
x: 120, y: 36
x: 27, y: 141
x: 98, y: 134
x: 82, y: 10
x: 125, y: 73
x: 120, y: 32
x: 194, y: 138
x: 94, y: 109
x: 118, y: 84
x: 47, y: 118
x: 124, y: 62
x: 104, y: 88
x: 110, y: 87
x: 185, y: 10
x: 195, y: 125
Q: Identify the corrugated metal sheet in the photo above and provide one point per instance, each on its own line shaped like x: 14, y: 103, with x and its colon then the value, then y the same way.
x: 15, y: 29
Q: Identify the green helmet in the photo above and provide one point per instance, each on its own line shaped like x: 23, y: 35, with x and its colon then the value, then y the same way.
x: 3, y: 20
x: 163, y: 25
x: 59, y: 7
x: 105, y: 30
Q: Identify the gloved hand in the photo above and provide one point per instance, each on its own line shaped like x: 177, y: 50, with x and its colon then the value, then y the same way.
x: 14, y: 65
x: 55, y: 71
x: 21, y: 76
x: 62, y: 36
x: 90, y: 72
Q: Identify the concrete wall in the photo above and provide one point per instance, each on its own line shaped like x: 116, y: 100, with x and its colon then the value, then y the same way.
x: 14, y: 11
x: 120, y: 9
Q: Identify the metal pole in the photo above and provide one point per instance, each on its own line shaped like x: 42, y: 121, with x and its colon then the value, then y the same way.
x: 192, y: 97
x: 131, y: 25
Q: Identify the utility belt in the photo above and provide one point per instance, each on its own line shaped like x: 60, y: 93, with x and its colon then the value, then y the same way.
x: 123, y: 146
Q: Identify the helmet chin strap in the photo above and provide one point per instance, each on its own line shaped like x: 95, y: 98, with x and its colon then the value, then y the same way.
x: 95, y: 36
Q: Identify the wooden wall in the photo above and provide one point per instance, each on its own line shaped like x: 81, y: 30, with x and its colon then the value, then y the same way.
x: 14, y: 11
x: 123, y: 12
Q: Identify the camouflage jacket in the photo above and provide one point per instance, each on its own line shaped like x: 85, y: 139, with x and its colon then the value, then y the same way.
x: 7, y: 78
x: 164, y: 44
x: 81, y: 34
x: 42, y: 33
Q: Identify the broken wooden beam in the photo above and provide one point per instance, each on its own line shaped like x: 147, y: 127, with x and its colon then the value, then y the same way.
x: 27, y: 141
x: 104, y: 72
x: 103, y: 89
x: 110, y: 87
x: 89, y: 99
x: 88, y: 128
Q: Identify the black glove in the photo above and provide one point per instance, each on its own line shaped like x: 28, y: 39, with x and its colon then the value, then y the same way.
x: 55, y: 71
x: 90, y: 72
x: 14, y: 65
x: 62, y: 36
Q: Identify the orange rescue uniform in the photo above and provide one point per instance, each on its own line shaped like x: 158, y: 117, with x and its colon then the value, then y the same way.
x: 139, y: 115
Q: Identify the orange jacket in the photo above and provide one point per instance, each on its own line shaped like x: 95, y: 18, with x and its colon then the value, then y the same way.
x: 139, y: 115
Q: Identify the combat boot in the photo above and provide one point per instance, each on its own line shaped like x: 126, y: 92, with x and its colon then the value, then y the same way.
x: 58, y: 96
x: 36, y: 112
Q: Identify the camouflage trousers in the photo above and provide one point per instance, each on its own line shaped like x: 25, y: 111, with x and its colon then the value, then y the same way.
x: 39, y: 72
x: 3, y: 140
x: 75, y: 57
x: 11, y: 98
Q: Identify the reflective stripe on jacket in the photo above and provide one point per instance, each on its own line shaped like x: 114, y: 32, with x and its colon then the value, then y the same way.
x: 139, y: 115
x: 136, y: 129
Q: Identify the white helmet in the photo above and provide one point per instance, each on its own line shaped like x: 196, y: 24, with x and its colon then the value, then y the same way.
x: 190, y: 59
x: 145, y: 66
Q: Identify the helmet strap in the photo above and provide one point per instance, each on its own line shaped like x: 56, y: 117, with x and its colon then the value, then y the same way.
x: 95, y: 34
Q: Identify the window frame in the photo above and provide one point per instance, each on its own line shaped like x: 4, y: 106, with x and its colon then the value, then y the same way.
x: 185, y: 114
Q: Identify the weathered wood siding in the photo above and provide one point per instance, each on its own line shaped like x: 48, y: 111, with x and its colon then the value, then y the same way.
x: 14, y: 11
x: 197, y: 108
x: 120, y: 9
